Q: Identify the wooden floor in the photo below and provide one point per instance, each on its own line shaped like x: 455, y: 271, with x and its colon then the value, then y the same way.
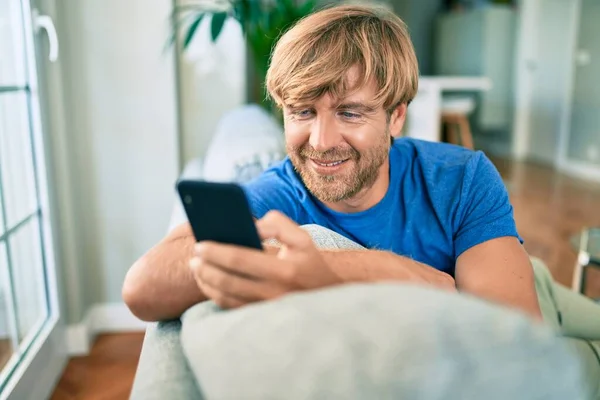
x: 549, y: 209
x: 5, y: 352
x: 106, y: 373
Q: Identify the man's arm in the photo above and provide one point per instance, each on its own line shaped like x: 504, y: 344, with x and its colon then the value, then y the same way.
x: 234, y: 276
x: 160, y: 285
x: 375, y: 265
x: 499, y: 270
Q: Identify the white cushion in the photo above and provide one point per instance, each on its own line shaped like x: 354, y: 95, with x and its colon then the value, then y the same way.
x: 247, y: 141
x: 193, y: 170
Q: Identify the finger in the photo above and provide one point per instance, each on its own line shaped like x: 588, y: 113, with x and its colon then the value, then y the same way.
x: 221, y: 299
x: 275, y: 225
x: 235, y: 285
x: 205, y: 252
x: 247, y: 262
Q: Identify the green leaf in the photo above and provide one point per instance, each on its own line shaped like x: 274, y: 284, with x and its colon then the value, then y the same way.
x: 241, y: 12
x: 218, y: 20
x: 285, y: 7
x: 192, y: 30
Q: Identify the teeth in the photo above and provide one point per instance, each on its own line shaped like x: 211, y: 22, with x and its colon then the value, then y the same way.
x: 330, y: 164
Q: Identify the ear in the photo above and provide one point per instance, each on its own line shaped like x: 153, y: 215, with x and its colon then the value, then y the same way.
x: 397, y: 120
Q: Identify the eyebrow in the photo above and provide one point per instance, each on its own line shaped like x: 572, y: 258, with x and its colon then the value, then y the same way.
x: 296, y: 106
x: 352, y: 105
x: 356, y: 105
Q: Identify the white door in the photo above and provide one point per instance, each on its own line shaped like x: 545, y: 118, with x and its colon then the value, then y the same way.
x: 32, y: 349
x: 548, y: 66
x: 583, y: 139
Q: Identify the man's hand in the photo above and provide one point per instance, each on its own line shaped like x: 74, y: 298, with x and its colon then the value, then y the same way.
x: 233, y: 276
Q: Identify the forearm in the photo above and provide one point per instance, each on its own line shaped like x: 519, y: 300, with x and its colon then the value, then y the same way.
x: 373, y: 265
x: 160, y: 285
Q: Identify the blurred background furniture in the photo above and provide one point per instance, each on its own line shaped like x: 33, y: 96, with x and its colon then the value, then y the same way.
x: 425, y: 111
x: 481, y: 42
x: 588, y: 257
x: 455, y: 119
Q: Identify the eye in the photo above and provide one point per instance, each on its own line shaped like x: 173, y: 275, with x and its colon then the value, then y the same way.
x: 303, y: 114
x: 349, y: 115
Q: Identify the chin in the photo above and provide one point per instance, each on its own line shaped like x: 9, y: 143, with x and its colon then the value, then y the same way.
x: 330, y: 191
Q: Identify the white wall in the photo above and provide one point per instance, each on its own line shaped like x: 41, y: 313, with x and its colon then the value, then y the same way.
x: 121, y: 139
x: 212, y: 80
x: 526, y: 34
x: 549, y: 84
x: 550, y: 72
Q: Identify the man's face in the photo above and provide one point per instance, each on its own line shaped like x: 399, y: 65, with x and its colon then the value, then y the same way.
x: 339, y: 146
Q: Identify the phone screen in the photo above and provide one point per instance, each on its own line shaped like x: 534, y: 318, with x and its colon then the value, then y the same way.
x: 219, y: 212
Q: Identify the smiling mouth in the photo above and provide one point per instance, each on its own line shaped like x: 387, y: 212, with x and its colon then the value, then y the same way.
x: 328, y: 163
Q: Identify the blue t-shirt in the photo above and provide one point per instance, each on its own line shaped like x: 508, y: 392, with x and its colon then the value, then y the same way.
x: 442, y: 200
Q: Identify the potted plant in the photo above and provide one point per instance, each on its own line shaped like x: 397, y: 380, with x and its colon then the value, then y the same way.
x: 262, y: 23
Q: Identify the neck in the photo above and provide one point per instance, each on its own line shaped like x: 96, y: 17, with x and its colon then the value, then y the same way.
x: 367, y: 197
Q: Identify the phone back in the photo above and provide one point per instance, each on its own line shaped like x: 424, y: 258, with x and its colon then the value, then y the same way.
x: 219, y: 212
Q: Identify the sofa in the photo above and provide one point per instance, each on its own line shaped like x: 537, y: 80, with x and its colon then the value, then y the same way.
x: 167, y: 371
x: 247, y: 140
x: 163, y: 371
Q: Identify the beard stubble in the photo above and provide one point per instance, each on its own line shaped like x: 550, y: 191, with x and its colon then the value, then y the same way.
x: 344, y: 185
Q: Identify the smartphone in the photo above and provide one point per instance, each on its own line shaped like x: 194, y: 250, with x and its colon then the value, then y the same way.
x: 219, y: 212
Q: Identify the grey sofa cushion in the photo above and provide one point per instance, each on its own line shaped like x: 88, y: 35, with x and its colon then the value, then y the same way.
x: 380, y: 341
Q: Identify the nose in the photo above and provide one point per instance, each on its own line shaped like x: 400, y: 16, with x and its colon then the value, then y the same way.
x: 324, y: 134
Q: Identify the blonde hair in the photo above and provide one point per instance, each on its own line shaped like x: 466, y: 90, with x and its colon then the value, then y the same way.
x: 313, y: 57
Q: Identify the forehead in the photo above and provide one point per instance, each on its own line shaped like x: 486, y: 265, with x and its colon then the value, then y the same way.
x: 363, y: 96
x: 358, y: 89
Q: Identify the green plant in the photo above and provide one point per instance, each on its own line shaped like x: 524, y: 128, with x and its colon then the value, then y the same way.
x: 262, y: 22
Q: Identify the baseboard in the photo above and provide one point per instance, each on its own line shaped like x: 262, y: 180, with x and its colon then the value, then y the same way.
x: 580, y: 170
x: 78, y: 339
x: 4, y: 332
x: 100, y: 318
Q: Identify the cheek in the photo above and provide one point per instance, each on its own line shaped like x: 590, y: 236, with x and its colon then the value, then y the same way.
x: 296, y: 134
x: 366, y: 136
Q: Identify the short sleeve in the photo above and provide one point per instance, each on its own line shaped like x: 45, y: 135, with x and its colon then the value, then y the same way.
x: 272, y: 191
x: 484, y: 211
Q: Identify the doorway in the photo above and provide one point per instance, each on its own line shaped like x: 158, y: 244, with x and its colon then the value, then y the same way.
x: 548, y: 36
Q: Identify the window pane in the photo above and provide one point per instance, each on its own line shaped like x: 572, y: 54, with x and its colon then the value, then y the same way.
x: 12, y: 57
x: 16, y: 159
x: 1, y: 216
x: 6, y: 347
x: 28, y: 276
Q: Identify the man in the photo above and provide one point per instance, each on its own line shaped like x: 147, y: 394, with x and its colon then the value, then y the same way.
x: 429, y: 213
x: 406, y: 210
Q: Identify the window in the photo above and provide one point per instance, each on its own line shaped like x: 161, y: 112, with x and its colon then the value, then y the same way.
x: 28, y: 301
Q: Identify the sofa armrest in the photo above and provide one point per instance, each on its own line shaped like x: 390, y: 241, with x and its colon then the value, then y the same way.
x: 162, y: 371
